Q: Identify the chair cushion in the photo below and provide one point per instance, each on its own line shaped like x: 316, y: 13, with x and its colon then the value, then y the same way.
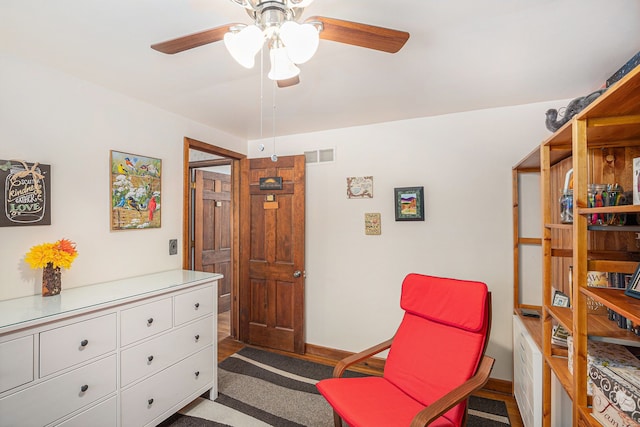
x: 372, y: 402
x: 445, y: 300
x: 428, y: 359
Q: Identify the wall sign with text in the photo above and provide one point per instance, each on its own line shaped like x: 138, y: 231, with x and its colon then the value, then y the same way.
x: 26, y: 193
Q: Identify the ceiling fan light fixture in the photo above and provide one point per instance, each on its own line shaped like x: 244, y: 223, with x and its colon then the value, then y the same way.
x: 244, y: 44
x: 299, y: 3
x: 300, y: 40
x: 281, y: 66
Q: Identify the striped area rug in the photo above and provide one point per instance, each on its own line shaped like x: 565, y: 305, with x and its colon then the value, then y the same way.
x: 259, y: 388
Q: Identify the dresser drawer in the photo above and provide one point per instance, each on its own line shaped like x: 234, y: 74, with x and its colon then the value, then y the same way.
x: 192, y: 305
x: 524, y: 405
x: 72, y: 344
x: 527, y: 375
x: 145, y: 320
x: 151, y: 356
x: 52, y: 399
x: 16, y: 362
x: 149, y: 399
x: 104, y: 414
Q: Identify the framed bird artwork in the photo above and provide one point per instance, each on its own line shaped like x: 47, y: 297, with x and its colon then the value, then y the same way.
x: 136, y: 191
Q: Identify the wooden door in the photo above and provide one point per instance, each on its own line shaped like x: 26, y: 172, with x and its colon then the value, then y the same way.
x: 212, y: 230
x: 272, y: 253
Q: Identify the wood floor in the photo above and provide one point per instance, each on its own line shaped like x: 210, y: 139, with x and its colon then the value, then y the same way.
x: 227, y: 346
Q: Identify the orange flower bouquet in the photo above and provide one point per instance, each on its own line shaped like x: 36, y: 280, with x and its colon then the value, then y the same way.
x: 51, y: 257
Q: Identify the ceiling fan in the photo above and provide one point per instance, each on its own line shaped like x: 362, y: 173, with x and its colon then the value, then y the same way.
x: 291, y: 41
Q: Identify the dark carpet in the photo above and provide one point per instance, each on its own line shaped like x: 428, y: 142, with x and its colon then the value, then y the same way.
x: 258, y: 388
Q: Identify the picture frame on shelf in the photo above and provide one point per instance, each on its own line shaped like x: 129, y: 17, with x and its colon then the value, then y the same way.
x: 409, y: 203
x: 560, y: 299
x: 633, y: 289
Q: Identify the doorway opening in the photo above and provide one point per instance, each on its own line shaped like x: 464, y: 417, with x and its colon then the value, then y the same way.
x: 211, y: 201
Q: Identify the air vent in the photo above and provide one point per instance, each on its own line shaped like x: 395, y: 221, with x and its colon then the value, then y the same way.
x: 324, y: 155
x: 311, y: 156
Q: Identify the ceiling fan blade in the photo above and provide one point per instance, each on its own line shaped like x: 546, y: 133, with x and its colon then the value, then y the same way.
x: 192, y: 40
x: 289, y: 82
x: 355, y: 33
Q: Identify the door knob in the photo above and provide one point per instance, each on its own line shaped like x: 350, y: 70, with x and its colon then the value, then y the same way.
x: 297, y: 274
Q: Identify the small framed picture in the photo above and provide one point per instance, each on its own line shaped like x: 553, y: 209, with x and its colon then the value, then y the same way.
x: 560, y: 299
x: 409, y: 203
x: 633, y: 289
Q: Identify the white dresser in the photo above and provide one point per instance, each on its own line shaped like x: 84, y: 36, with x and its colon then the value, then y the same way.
x: 527, y: 375
x: 124, y: 353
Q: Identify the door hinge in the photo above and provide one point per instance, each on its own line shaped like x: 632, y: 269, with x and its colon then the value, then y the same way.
x: 192, y: 185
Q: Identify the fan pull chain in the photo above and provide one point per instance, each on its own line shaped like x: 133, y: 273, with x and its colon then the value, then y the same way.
x: 274, y: 156
x: 261, y: 92
x: 261, y: 146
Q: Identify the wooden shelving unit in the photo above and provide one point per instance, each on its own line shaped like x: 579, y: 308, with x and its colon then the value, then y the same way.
x: 598, y: 144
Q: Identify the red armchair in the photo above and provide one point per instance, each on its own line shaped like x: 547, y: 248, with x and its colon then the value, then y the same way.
x: 436, y: 360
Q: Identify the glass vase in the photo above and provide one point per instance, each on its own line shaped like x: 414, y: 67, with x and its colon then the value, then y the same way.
x: 51, y: 280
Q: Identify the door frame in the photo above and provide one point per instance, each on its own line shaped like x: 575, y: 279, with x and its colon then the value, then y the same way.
x: 236, y: 171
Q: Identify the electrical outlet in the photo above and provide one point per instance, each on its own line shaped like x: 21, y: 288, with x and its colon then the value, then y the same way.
x: 173, y: 247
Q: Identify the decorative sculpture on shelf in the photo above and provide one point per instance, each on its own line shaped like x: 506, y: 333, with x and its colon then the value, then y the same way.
x: 554, y: 123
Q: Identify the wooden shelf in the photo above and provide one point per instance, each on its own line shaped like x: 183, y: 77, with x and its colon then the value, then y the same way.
x: 616, y: 300
x: 531, y: 162
x: 554, y: 226
x: 610, y: 209
x: 599, y: 327
x: 563, y: 315
x: 559, y: 365
x: 585, y: 412
x: 614, y: 261
x: 622, y: 265
x: 617, y: 228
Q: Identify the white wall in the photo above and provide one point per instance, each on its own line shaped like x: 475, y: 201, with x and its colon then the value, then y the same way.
x: 464, y: 162
x: 55, y: 119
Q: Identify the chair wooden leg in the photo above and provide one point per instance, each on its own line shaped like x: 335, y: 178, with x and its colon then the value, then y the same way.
x: 337, y: 421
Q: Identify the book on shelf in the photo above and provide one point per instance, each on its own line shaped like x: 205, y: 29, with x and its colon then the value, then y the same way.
x: 559, y: 335
x: 636, y: 181
x: 621, y: 281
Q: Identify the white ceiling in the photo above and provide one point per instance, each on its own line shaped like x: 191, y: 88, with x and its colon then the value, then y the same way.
x: 462, y: 55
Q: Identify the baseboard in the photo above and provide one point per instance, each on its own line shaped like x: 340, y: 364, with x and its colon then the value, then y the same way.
x: 499, y: 386
x: 375, y: 365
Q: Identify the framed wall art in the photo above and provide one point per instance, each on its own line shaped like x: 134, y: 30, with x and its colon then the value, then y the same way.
x: 26, y: 193
x: 409, y: 203
x: 360, y: 187
x: 372, y: 224
x: 136, y: 192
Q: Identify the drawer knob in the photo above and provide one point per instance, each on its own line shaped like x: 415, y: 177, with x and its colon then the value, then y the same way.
x: 197, y: 374
x: 150, y: 358
x: 197, y: 337
x: 84, y: 343
x: 149, y: 320
x: 150, y: 401
x: 84, y: 388
x: 197, y: 305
